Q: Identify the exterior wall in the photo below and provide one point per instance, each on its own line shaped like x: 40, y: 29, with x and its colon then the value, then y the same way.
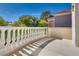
x: 75, y: 27
x: 63, y: 21
x: 61, y: 26
x: 60, y: 32
x: 51, y: 22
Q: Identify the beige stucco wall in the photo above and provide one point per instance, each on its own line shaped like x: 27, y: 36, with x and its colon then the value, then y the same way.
x: 75, y: 24
x: 60, y: 32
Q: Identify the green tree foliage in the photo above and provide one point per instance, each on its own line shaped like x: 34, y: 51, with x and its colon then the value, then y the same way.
x: 43, y: 23
x: 31, y: 21
x: 3, y: 22
x: 18, y: 24
x: 46, y: 15
x: 28, y: 20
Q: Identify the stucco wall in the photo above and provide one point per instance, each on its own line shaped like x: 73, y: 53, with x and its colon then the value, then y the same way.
x: 63, y: 21
x: 75, y: 24
x: 60, y: 32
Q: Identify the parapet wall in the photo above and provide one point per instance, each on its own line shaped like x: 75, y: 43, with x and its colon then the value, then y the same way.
x: 60, y: 32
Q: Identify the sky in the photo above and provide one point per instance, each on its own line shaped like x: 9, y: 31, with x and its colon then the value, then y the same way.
x: 12, y: 11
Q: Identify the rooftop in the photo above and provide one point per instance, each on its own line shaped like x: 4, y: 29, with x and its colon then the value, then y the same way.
x: 66, y: 11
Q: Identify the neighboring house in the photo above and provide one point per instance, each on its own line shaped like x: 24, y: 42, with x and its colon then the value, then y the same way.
x: 61, y: 19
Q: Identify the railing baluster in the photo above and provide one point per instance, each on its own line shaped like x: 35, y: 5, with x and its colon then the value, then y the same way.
x: 18, y: 34
x: 13, y: 37
x: 32, y: 32
x: 9, y: 37
x: 36, y: 34
x: 22, y: 34
x: 25, y: 34
x: 28, y: 33
x: 2, y: 41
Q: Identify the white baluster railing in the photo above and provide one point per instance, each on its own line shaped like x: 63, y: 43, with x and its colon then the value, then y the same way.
x: 12, y: 38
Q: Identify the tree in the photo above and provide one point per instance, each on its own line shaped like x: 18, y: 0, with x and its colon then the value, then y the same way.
x: 37, y: 23
x: 28, y: 20
x: 3, y: 22
x: 45, y: 15
x: 19, y: 24
x: 43, y: 23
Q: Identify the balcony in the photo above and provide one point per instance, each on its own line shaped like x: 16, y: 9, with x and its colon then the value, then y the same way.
x: 37, y: 41
x: 31, y: 41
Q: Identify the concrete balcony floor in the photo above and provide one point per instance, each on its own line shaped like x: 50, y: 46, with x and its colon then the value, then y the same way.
x: 60, y: 48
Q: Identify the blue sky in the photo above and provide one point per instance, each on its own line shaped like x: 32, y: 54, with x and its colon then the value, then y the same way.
x: 12, y: 11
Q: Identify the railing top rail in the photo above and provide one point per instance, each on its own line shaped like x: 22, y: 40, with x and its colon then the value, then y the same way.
x: 6, y: 27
